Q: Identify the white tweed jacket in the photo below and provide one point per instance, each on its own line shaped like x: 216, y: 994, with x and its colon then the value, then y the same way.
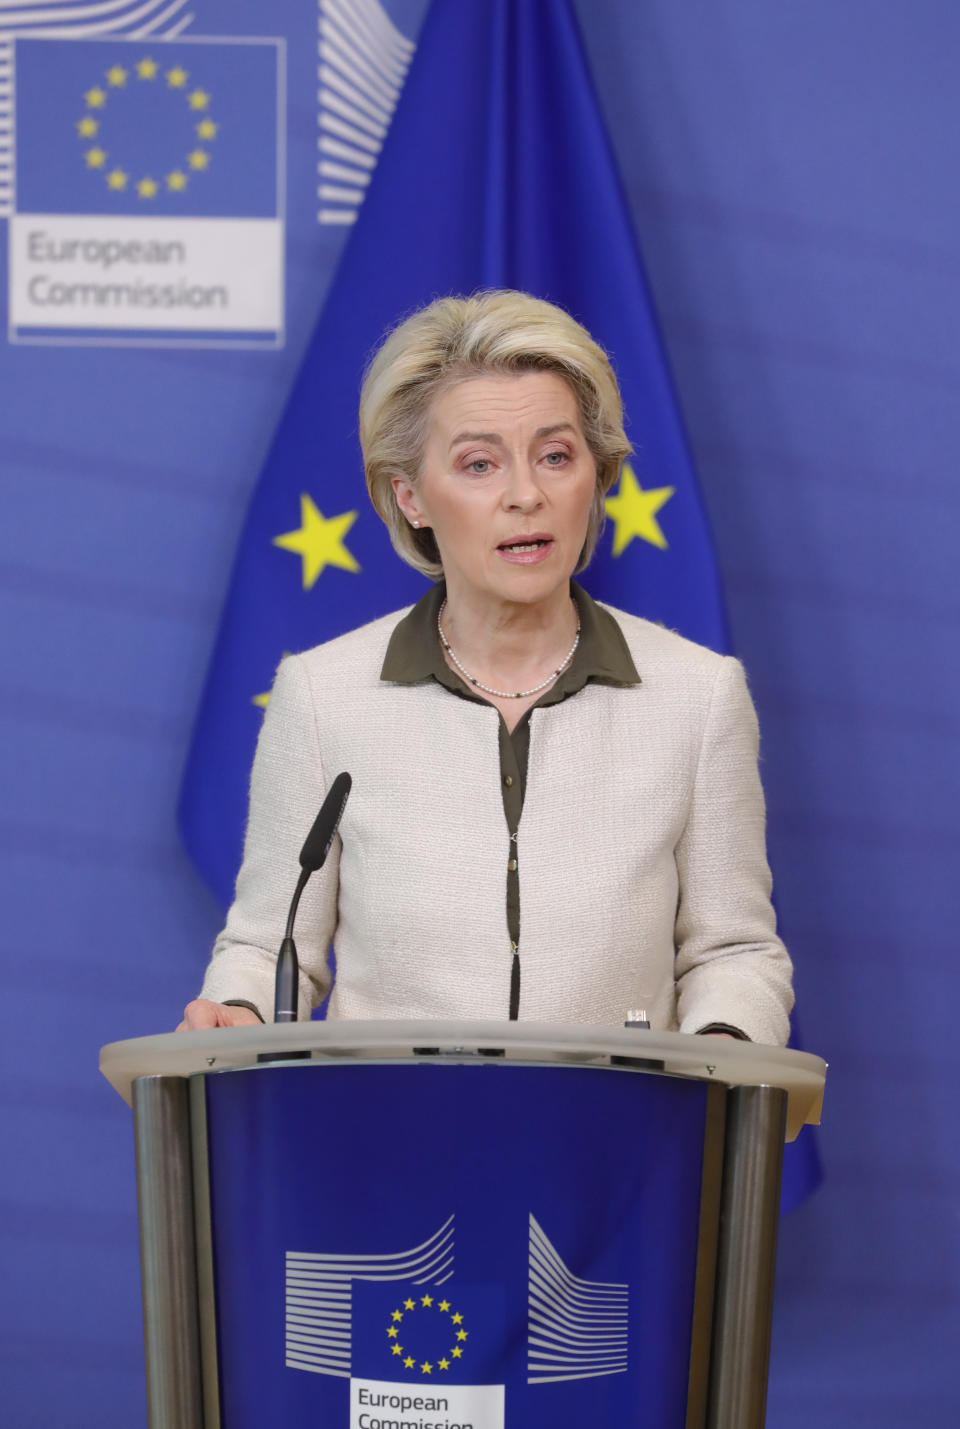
x: 642, y: 864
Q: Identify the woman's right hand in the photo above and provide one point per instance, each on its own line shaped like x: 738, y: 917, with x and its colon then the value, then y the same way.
x: 202, y: 1013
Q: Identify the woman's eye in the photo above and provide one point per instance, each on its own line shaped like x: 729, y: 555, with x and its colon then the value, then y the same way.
x: 480, y: 465
x: 555, y: 458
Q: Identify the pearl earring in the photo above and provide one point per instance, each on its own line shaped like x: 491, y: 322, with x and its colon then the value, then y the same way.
x: 416, y: 523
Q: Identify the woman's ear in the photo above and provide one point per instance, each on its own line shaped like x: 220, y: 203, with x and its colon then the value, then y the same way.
x: 407, y: 500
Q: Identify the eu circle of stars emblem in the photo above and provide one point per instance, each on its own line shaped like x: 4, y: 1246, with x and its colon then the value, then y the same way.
x: 426, y: 1335
x: 105, y: 101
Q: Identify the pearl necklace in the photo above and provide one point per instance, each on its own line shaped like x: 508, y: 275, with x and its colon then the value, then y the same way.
x: 506, y: 694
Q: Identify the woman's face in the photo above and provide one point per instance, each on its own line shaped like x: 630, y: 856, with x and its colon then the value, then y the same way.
x: 506, y: 484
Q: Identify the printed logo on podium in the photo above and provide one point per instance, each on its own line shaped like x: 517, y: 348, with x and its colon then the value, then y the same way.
x: 410, y: 1338
x: 148, y: 196
x: 577, y: 1329
x: 417, y: 1350
x: 398, y: 1329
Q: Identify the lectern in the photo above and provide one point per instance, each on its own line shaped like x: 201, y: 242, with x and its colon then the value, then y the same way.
x: 453, y: 1225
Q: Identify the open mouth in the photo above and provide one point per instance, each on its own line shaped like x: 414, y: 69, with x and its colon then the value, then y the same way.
x: 525, y: 548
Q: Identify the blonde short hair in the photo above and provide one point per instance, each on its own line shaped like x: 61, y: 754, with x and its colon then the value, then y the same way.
x: 452, y: 340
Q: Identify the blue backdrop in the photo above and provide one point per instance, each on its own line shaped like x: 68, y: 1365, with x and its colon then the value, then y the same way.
x: 790, y: 172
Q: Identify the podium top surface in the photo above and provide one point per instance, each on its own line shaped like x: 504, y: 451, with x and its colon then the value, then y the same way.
x: 733, y: 1063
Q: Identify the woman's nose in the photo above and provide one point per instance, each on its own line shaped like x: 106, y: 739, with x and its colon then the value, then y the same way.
x: 522, y: 491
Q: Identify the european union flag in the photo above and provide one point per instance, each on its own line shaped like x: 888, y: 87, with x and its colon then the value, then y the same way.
x: 500, y: 177
x: 427, y: 1335
x: 136, y: 127
x: 504, y: 181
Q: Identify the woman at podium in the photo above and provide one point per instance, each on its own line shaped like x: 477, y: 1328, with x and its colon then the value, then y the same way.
x: 556, y: 811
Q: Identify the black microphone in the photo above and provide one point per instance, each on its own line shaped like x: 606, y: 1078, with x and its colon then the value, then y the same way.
x: 312, y: 856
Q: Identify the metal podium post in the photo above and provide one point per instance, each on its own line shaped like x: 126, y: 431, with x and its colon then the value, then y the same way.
x: 749, y: 1216
x: 167, y: 1252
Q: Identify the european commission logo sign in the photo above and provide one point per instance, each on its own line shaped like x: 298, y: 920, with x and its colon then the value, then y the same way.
x: 416, y: 1342
x: 148, y: 195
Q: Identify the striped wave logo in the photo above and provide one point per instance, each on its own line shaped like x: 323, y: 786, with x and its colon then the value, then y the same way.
x: 363, y: 63
x: 319, y: 1294
x: 577, y: 1329
x: 72, y: 20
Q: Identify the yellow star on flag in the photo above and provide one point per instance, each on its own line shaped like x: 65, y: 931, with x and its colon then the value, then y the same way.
x: 634, y: 512
x: 426, y: 1300
x: 198, y: 159
x: 397, y: 1315
x: 462, y: 1334
x: 444, y: 1363
x: 457, y: 1318
x: 96, y: 157
x: 457, y: 1352
x: 177, y: 77
x: 207, y: 129
x: 320, y: 542
x: 409, y: 1362
x: 96, y: 98
x: 444, y: 1305
x: 407, y: 1304
x: 147, y: 188
x: 117, y: 76
x: 147, y: 68
x: 198, y: 99
x: 393, y: 1332
x: 396, y: 1349
x: 426, y: 1367
x: 177, y: 181
x: 87, y: 126
x: 117, y: 179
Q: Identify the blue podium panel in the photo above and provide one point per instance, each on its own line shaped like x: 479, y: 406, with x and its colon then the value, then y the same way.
x: 433, y: 1244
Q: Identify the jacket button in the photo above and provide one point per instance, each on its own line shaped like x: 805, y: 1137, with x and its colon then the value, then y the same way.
x: 508, y: 780
x: 512, y: 865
